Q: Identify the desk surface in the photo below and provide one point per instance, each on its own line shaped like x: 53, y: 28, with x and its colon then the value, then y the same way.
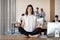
x: 19, y: 37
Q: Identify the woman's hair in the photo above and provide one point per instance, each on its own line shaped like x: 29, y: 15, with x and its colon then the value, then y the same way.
x: 32, y: 9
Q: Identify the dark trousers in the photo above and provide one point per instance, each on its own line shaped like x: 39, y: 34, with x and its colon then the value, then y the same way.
x: 36, y: 31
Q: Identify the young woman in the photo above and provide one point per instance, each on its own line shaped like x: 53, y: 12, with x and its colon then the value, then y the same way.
x: 29, y: 23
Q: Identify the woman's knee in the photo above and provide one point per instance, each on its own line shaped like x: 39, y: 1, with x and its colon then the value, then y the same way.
x: 38, y: 29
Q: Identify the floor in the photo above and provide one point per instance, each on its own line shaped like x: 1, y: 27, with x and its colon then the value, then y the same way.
x: 20, y: 37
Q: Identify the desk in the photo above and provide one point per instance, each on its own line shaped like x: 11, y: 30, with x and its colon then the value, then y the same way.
x: 20, y: 37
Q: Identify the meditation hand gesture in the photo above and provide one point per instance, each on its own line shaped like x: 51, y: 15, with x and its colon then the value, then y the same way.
x: 39, y: 26
x: 17, y: 24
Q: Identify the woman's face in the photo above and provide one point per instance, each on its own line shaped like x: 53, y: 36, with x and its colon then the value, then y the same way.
x: 29, y: 10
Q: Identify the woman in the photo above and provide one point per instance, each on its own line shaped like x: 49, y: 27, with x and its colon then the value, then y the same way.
x: 29, y: 23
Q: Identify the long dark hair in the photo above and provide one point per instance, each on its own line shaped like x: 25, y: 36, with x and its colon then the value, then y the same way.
x: 32, y: 9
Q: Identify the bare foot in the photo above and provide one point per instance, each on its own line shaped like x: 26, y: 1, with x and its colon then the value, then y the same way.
x: 25, y: 36
x: 33, y: 35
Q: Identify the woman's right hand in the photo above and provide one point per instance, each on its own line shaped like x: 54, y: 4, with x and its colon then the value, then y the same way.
x: 17, y: 24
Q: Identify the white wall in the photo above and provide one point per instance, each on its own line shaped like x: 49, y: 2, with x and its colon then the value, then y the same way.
x: 57, y: 8
x: 22, y: 4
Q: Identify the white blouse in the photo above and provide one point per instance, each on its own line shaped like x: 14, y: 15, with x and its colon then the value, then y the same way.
x: 29, y: 23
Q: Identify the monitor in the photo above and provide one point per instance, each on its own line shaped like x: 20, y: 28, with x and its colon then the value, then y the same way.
x: 52, y: 26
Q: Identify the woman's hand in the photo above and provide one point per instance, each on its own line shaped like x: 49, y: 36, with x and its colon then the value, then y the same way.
x: 39, y: 26
x: 17, y: 24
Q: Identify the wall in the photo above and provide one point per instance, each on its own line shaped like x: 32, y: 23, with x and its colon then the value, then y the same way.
x: 22, y: 4
x: 57, y: 8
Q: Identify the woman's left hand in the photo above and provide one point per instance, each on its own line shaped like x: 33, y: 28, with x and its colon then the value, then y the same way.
x: 39, y: 26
